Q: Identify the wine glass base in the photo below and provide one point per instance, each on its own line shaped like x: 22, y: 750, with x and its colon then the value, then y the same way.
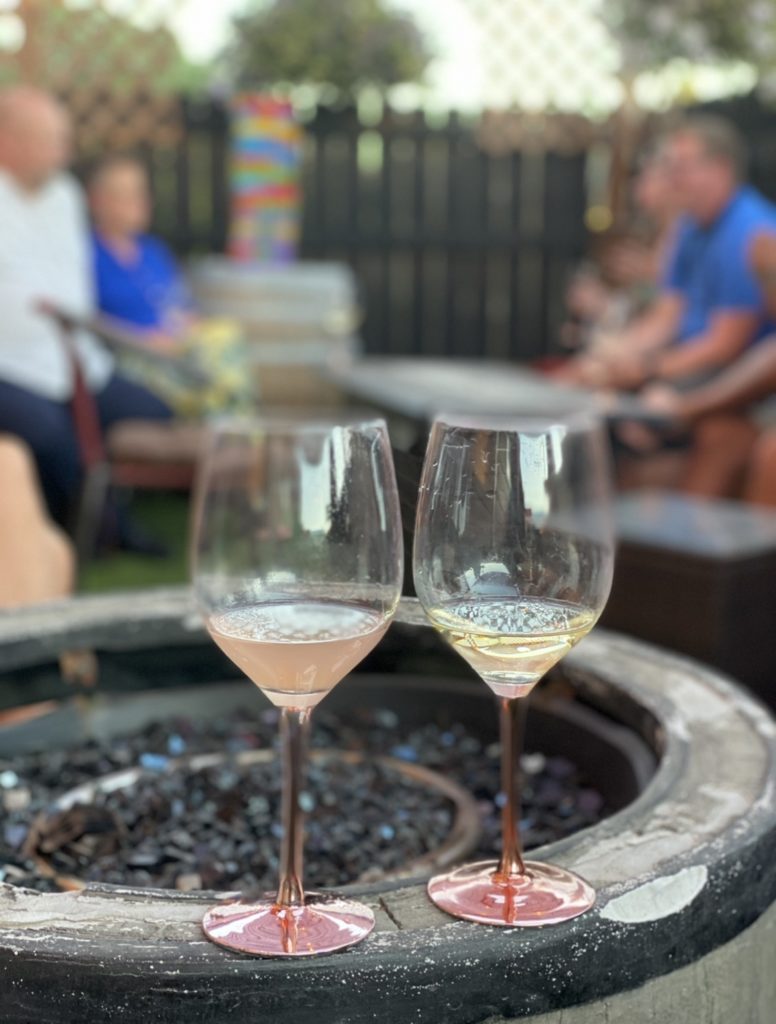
x: 324, y: 924
x: 544, y: 895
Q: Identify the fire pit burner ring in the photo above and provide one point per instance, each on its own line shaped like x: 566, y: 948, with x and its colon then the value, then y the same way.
x: 85, y: 819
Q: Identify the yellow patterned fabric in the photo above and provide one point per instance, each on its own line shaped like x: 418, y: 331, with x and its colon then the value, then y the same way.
x: 210, y: 374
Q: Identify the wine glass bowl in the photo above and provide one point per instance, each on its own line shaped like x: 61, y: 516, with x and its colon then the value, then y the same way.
x: 297, y: 568
x: 513, y: 565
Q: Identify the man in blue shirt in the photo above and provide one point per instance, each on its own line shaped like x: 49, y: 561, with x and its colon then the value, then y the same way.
x: 711, y: 307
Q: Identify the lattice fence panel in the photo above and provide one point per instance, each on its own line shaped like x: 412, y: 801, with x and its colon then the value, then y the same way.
x: 545, y: 55
x: 116, y: 63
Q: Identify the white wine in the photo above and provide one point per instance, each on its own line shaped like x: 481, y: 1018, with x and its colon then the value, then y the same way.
x: 512, y: 643
x: 296, y: 652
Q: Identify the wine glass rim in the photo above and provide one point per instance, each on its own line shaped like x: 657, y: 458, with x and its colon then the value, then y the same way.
x: 575, y: 420
x: 293, y: 421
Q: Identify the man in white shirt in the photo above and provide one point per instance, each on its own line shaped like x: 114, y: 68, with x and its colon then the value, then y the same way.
x: 45, y: 255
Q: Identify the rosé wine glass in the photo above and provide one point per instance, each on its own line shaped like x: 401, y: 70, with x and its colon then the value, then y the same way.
x: 513, y: 564
x: 297, y: 568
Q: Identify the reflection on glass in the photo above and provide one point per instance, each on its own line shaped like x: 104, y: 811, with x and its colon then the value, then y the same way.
x: 513, y: 564
x: 297, y: 569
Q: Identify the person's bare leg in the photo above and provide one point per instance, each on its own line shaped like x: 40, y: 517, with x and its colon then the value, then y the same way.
x: 661, y: 471
x: 36, y: 559
x: 760, y: 487
x: 722, y: 446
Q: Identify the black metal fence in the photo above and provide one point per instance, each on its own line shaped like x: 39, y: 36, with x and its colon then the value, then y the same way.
x: 457, y: 252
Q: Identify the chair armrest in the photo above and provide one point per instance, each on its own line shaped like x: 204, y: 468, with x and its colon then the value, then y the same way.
x: 112, y: 333
x: 119, y: 338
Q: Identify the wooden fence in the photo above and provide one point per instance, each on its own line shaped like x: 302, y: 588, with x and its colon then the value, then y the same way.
x: 457, y: 252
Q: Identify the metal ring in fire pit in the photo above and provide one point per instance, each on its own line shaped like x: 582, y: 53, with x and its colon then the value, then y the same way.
x: 459, y: 843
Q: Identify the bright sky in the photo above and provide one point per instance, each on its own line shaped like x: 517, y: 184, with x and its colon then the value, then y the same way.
x: 535, y: 53
x: 498, y: 52
x: 462, y: 33
x: 203, y: 25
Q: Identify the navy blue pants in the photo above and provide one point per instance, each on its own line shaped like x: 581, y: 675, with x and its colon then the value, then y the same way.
x: 47, y: 427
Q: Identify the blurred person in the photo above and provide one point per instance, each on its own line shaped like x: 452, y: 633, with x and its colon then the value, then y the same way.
x: 710, y: 307
x: 140, y: 285
x: 750, y: 380
x: 724, y: 431
x: 37, y: 561
x: 760, y: 482
x: 640, y: 258
x: 624, y: 277
x: 136, y: 277
x: 733, y: 452
x: 44, y: 255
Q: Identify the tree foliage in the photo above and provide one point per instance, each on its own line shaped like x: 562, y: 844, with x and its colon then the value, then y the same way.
x: 89, y: 47
x: 345, y: 45
x: 654, y: 32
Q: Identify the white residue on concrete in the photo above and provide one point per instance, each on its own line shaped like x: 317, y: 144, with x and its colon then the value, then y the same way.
x: 658, y: 898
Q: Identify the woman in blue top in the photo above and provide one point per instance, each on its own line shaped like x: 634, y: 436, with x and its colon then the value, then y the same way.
x: 136, y: 277
x: 138, y: 283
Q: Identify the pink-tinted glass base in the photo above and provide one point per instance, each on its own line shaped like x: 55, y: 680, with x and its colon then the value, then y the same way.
x: 545, y: 894
x: 323, y: 925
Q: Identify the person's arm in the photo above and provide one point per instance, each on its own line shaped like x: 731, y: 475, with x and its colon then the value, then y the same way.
x: 628, y: 357
x: 627, y: 360
x: 620, y: 360
x: 179, y: 300
x: 37, y: 560
x: 738, y: 312
x: 751, y: 378
x: 659, y: 325
x: 656, y: 327
x: 728, y: 335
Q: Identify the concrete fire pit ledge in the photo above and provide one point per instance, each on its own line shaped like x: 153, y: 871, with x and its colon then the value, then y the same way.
x: 684, y: 928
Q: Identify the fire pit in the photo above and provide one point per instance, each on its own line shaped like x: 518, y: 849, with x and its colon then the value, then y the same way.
x: 210, y: 820
x: 684, y: 865
x: 208, y: 823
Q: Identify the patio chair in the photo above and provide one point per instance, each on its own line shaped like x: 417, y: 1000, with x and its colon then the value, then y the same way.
x: 135, y: 455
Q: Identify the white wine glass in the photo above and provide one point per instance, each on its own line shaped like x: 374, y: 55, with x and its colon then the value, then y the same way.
x: 297, y: 569
x: 513, y: 561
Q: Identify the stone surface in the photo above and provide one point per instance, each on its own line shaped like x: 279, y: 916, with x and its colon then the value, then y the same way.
x: 736, y: 984
x: 699, y: 577
x: 381, y: 794
x: 140, y: 956
x: 720, y: 530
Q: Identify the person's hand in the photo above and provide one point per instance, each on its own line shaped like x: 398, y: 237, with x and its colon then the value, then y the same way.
x: 164, y: 344
x: 627, y: 263
x: 661, y: 398
x: 605, y: 368
x: 628, y: 370
x: 583, y: 371
x: 587, y: 296
x: 762, y: 257
x: 179, y: 322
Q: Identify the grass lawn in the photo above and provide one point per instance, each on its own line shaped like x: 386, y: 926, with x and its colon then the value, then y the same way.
x: 166, y: 518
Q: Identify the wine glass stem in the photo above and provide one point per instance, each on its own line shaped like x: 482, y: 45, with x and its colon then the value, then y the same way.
x: 294, y: 727
x: 511, y: 719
